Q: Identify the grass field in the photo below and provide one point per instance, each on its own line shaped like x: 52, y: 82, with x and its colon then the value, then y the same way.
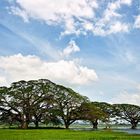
x: 13, y: 134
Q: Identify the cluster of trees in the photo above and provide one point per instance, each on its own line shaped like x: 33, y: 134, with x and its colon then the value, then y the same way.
x: 42, y: 101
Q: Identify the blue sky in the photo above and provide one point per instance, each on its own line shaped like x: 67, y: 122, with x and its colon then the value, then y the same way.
x: 89, y: 45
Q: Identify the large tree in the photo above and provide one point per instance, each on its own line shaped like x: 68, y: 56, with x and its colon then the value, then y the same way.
x: 128, y: 112
x: 37, y: 100
x: 44, y: 104
x: 6, y: 115
x: 28, y: 100
x: 67, y: 103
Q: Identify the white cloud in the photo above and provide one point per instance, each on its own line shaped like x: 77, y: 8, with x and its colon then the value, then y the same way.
x: 110, y: 22
x: 70, y: 27
x: 19, y: 67
x: 3, y: 81
x: 137, y: 22
x: 125, y: 97
x: 71, y: 48
x: 118, y: 27
x: 138, y: 86
x: 18, y: 12
x: 57, y: 11
x: 110, y: 28
x: 127, y: 2
x: 75, y: 17
x: 88, y: 26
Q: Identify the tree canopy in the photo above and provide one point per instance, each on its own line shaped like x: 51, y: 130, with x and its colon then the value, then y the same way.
x: 128, y: 112
x: 36, y: 100
x: 42, y: 101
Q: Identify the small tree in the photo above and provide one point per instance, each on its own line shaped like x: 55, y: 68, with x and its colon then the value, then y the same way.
x: 108, y: 109
x: 92, y: 113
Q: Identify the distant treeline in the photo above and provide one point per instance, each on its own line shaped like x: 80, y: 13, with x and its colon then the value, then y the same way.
x: 42, y: 101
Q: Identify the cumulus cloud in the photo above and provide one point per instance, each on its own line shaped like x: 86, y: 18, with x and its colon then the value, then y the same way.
x: 137, y: 22
x: 71, y: 48
x: 75, y: 17
x: 52, y: 11
x: 19, y: 67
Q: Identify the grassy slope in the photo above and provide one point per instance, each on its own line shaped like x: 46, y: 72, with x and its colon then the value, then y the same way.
x: 7, y: 134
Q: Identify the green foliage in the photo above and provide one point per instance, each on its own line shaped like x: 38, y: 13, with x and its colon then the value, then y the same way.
x: 128, y: 112
x: 39, y: 101
x: 28, y: 100
x: 92, y: 113
x: 67, y: 103
x: 42, y: 101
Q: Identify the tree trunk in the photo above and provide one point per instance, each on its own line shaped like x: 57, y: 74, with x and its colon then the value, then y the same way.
x: 134, y: 125
x: 36, y: 124
x: 24, y: 125
x: 24, y: 121
x: 67, y: 125
x: 95, y: 124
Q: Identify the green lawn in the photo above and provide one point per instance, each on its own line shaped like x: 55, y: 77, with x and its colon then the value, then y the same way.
x: 13, y: 134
